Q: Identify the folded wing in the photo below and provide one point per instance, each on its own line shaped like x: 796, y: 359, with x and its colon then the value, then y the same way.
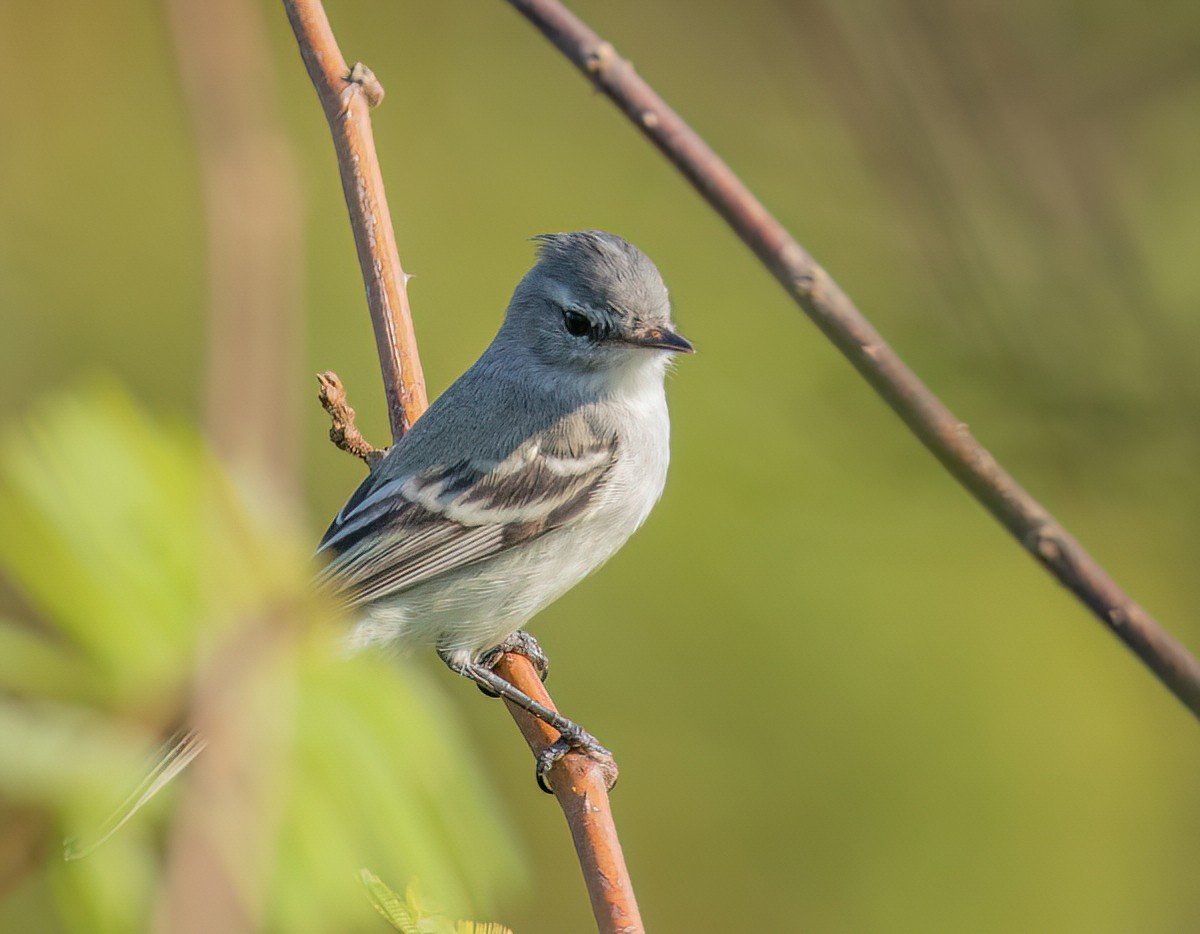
x: 400, y: 530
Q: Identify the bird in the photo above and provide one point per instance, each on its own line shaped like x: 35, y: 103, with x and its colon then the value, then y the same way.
x: 528, y: 473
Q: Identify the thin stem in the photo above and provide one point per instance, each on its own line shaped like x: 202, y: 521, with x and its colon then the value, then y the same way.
x: 347, y: 94
x: 343, y: 427
x: 838, y: 318
x: 579, y: 781
x: 581, y: 785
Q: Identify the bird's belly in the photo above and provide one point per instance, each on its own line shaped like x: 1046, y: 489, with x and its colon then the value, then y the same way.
x: 476, y: 607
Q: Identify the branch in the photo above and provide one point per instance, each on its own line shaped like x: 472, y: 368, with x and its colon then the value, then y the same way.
x: 581, y: 786
x: 343, y: 428
x: 838, y: 318
x: 579, y: 781
x: 347, y: 94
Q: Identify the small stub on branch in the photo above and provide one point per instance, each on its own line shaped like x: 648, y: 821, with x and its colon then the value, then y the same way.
x: 343, y: 431
x: 361, y: 78
x: 601, y: 58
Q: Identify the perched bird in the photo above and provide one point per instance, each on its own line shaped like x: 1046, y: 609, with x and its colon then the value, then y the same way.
x: 523, y: 477
x: 526, y: 475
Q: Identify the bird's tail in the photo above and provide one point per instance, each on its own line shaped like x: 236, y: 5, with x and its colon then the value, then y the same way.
x: 176, y: 753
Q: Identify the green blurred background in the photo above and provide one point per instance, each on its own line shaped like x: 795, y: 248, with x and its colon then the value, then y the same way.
x: 842, y: 698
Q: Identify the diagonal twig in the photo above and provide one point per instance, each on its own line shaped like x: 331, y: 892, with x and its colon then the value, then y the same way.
x: 578, y: 780
x: 838, y: 318
x: 580, y: 784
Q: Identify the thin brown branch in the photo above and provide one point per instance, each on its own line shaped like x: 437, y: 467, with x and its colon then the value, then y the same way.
x: 579, y: 781
x: 347, y: 94
x: 581, y: 786
x: 836, y: 315
x: 343, y: 428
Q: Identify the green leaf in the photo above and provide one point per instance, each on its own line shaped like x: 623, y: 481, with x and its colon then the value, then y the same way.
x: 388, y: 903
x: 164, y: 592
x: 407, y: 916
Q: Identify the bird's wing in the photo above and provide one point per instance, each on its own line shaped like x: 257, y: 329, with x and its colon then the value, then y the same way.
x: 398, y: 531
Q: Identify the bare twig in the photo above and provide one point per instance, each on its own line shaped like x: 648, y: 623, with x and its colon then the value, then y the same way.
x: 578, y: 780
x: 347, y: 94
x: 343, y: 430
x: 833, y: 312
x: 580, y: 785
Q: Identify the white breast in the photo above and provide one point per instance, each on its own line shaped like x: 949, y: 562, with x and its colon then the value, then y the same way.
x: 475, y: 608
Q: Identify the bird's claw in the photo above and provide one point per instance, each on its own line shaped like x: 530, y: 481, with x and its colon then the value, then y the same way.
x: 519, y: 643
x: 576, y: 740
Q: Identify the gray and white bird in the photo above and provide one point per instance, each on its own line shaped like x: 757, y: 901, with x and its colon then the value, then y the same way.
x: 525, y: 476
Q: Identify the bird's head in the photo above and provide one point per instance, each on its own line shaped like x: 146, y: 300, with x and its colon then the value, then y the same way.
x: 594, y: 302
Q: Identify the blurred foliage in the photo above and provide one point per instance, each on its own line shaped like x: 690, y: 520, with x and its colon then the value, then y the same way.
x: 140, y: 557
x: 407, y: 916
x: 941, y: 739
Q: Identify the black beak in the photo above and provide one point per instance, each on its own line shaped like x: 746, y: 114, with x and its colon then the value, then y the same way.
x: 660, y: 339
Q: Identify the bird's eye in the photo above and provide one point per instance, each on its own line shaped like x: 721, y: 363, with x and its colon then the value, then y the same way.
x: 576, y: 323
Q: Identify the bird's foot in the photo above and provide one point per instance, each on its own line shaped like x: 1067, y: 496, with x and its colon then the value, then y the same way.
x: 575, y: 738
x: 572, y: 737
x: 519, y: 643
